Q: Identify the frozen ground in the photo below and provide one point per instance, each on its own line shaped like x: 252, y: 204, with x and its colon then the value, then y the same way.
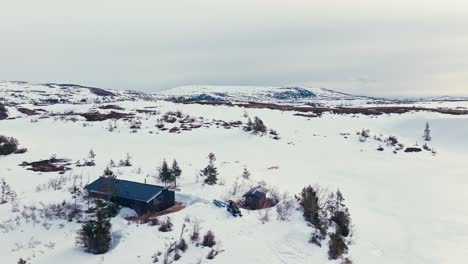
x: 405, y: 207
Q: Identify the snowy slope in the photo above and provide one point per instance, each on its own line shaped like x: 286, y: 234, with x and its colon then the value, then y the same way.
x: 50, y: 93
x: 405, y: 207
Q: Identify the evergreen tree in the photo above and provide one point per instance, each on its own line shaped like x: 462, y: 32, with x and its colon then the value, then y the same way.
x: 109, y: 179
x: 249, y: 125
x: 246, y: 174
x: 341, y: 215
x: 427, y: 133
x: 176, y: 172
x: 165, y: 174
x: 91, y: 155
x: 95, y: 235
x: 258, y: 126
x: 210, y: 172
x: 310, y: 202
x: 7, y: 194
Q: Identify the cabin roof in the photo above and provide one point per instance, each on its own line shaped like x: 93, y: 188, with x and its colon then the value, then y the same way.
x: 127, y: 189
x: 257, y: 192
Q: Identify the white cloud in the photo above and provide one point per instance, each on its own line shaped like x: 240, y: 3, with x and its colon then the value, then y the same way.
x: 399, y: 47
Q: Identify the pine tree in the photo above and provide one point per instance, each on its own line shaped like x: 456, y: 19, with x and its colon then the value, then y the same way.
x: 246, y: 174
x: 427, y: 133
x: 165, y: 174
x: 109, y: 179
x: 7, y: 194
x: 210, y: 172
x: 176, y: 172
x: 95, y: 235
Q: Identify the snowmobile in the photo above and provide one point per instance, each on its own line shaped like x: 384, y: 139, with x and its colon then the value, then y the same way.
x: 233, y: 208
x: 219, y: 203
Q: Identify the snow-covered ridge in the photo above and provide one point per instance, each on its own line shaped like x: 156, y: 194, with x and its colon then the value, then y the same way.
x: 263, y: 94
x: 14, y: 92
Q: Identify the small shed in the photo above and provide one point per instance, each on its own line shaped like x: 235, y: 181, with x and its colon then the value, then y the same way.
x: 256, y: 198
x: 141, y: 197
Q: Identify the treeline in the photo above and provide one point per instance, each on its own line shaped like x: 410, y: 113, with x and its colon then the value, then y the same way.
x: 328, y: 214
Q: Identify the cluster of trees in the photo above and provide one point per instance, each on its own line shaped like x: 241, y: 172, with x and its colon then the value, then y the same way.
x: 256, y: 127
x: 210, y: 172
x: 9, y: 145
x: 326, y: 213
x: 88, y: 161
x: 169, y: 175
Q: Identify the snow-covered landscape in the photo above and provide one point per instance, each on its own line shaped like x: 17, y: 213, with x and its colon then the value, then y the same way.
x: 405, y: 193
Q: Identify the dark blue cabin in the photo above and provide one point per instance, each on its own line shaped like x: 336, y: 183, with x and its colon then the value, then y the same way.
x: 141, y: 197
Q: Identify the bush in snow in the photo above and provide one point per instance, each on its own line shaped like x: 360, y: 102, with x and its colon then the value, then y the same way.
x: 264, y: 215
x: 22, y: 261
x: 212, y: 254
x: 209, y: 239
x: 9, y: 145
x: 284, y: 208
x: 210, y: 172
x: 246, y: 174
x: 363, y: 135
x: 196, y: 230
x: 166, y: 225
x: 336, y: 246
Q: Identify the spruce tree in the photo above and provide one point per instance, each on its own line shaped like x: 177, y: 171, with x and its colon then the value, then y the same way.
x: 176, y: 172
x: 427, y: 133
x: 310, y: 202
x: 95, y: 235
x: 210, y: 172
x: 109, y: 179
x: 165, y: 174
x: 6, y: 193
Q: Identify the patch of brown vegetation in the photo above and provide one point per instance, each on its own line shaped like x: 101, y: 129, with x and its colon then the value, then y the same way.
x: 111, y: 106
x: 380, y: 110
x: 30, y: 112
x: 97, y: 116
x: 49, y: 165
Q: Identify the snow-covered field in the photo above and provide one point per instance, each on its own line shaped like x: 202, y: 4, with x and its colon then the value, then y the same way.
x: 405, y: 207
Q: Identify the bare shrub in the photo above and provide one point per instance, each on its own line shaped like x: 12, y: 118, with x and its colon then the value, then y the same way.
x: 166, y: 225
x: 209, y: 239
x: 284, y: 208
x: 264, y: 215
x: 196, y: 230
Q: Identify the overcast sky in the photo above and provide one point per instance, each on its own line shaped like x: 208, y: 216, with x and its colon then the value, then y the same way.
x: 370, y: 47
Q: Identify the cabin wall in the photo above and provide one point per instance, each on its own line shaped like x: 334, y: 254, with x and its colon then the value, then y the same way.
x: 163, y: 201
